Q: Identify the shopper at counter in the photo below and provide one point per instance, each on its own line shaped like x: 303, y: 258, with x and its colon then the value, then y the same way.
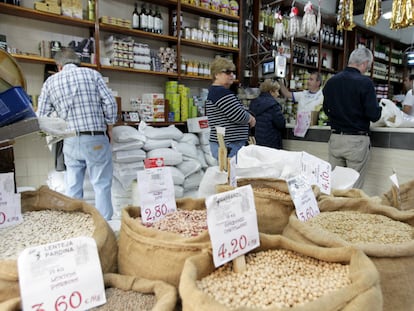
x: 351, y: 104
x: 224, y: 109
x: 407, y: 104
x: 81, y: 97
x: 269, y: 117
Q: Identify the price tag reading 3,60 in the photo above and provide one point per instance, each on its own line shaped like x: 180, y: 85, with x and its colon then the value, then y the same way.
x: 156, y: 193
x: 61, y: 276
x: 303, y: 198
x: 232, y: 224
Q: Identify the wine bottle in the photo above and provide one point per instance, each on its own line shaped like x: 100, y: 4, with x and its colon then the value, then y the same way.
x: 150, y: 20
x: 143, y: 18
x: 135, y: 17
x: 158, y: 23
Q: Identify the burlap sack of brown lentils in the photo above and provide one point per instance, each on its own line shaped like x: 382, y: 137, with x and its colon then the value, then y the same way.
x: 154, y: 254
x: 384, y: 233
x: 272, y: 200
x: 301, y: 277
x: 52, y: 208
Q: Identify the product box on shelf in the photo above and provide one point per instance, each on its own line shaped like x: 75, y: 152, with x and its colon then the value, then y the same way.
x: 197, y: 125
x: 15, y: 105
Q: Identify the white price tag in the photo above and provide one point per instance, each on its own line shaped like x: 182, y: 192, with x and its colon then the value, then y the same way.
x: 10, y: 203
x: 61, y: 276
x: 156, y: 192
x: 232, y: 224
x: 317, y: 172
x: 303, y: 198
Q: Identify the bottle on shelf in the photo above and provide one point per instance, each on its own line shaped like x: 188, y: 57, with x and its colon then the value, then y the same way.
x: 91, y: 10
x: 324, y: 61
x: 143, y: 18
x: 135, y: 17
x: 150, y: 18
x: 158, y: 22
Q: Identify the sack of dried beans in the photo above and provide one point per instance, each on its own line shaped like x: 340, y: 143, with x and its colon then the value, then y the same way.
x: 382, y: 232
x: 283, y: 274
x: 49, y: 216
x: 272, y: 200
x: 158, y: 251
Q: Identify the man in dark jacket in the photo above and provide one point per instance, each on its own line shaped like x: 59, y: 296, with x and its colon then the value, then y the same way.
x: 269, y: 117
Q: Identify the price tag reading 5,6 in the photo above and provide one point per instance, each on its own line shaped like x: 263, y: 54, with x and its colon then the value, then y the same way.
x: 61, y: 276
x: 232, y: 224
x: 156, y: 193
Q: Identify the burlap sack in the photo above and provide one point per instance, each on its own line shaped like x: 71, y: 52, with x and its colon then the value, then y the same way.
x: 272, y: 199
x: 154, y: 254
x: 395, y: 263
x: 402, y: 198
x: 46, y: 199
x: 363, y: 294
x: 166, y: 294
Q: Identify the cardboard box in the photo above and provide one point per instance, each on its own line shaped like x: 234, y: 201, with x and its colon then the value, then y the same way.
x: 197, y: 125
x: 151, y: 98
x: 47, y: 7
x: 15, y: 105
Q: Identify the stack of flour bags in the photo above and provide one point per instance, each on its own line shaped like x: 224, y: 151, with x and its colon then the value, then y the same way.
x: 187, y: 154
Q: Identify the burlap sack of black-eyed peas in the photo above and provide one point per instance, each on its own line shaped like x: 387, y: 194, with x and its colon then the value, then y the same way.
x: 156, y: 295
x: 155, y: 254
x: 272, y: 199
x: 45, y: 199
x: 402, y: 198
x: 393, y: 258
x: 361, y: 293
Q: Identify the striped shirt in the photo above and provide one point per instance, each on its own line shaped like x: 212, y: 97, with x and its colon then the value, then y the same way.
x: 224, y: 109
x: 80, y: 96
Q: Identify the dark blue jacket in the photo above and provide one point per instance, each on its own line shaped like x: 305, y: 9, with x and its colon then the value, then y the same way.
x: 269, y: 120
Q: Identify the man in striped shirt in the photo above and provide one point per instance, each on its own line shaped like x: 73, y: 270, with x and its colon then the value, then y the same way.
x: 224, y: 109
x: 80, y: 96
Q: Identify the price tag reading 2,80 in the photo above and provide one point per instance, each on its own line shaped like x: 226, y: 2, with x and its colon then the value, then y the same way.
x: 156, y: 193
x: 232, y: 224
x: 61, y: 276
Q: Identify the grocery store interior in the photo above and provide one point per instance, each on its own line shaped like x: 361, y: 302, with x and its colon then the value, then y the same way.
x: 159, y: 75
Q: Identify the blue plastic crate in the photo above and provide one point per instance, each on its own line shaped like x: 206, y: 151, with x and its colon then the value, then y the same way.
x: 15, y: 105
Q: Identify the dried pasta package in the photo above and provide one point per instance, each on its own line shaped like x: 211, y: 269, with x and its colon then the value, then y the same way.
x: 281, y: 275
x: 49, y: 216
x: 158, y: 251
x: 383, y: 233
x: 272, y: 200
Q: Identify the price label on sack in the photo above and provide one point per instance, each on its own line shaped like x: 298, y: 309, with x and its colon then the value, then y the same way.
x: 232, y: 224
x: 10, y: 203
x: 317, y: 172
x: 61, y: 276
x: 303, y: 198
x: 156, y: 193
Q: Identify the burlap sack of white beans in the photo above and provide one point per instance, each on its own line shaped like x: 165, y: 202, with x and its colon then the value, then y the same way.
x: 394, y: 261
x: 154, y: 254
x: 363, y: 293
x: 46, y: 199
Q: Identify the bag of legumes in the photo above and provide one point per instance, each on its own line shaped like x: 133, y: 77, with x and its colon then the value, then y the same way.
x: 157, y: 251
x: 402, y: 198
x: 272, y: 200
x: 49, y: 216
x: 282, y: 275
x: 382, y: 232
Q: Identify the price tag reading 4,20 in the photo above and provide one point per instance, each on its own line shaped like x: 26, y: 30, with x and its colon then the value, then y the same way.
x: 61, y: 276
x: 156, y: 193
x: 303, y: 198
x: 232, y: 224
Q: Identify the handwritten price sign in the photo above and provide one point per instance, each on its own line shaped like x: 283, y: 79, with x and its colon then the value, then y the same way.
x: 317, y: 172
x: 156, y: 192
x: 10, y: 202
x: 61, y: 276
x: 303, y: 198
x: 232, y: 224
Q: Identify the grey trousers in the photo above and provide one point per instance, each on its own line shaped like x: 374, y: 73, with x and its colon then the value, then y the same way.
x: 351, y: 151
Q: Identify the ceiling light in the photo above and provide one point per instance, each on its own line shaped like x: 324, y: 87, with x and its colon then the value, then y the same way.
x: 387, y: 15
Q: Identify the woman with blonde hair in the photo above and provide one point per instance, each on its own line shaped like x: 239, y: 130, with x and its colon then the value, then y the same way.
x: 224, y: 109
x: 270, y: 121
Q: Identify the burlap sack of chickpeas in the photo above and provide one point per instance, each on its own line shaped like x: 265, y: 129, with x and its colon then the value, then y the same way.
x: 283, y: 275
x: 384, y: 233
x: 129, y: 293
x: 402, y: 198
x: 272, y: 200
x: 156, y: 254
x: 52, y: 206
